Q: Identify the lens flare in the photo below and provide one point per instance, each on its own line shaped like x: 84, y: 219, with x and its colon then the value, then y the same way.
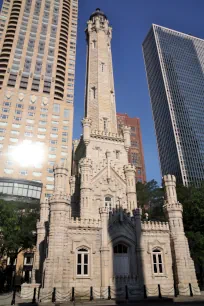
x: 28, y: 154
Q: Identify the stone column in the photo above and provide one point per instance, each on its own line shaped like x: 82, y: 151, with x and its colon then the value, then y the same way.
x: 184, y: 270
x: 131, y: 188
x: 105, y: 255
x: 85, y: 188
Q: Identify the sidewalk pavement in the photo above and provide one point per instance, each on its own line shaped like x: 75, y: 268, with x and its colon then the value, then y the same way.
x: 6, y: 299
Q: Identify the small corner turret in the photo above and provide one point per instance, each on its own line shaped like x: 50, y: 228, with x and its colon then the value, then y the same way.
x: 61, y: 173
x: 126, y: 133
x: 184, y: 269
x: 86, y: 123
x: 171, y: 203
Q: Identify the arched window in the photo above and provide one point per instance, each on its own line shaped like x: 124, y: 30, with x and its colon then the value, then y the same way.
x: 157, y: 260
x: 121, y: 260
x: 82, y: 262
x: 108, y: 202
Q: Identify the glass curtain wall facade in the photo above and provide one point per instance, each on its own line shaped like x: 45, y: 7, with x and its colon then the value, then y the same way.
x: 37, y: 74
x: 174, y: 66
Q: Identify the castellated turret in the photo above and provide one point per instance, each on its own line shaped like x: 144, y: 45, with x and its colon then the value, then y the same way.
x: 60, y: 214
x: 86, y: 123
x: 61, y: 173
x: 131, y: 187
x: 172, y: 207
x: 170, y: 188
x: 126, y: 133
x: 85, y: 187
x: 184, y: 269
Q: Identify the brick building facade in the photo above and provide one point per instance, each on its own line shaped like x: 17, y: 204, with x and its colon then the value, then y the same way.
x: 136, y: 154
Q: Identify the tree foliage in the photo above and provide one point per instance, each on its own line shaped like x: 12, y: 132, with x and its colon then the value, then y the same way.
x: 17, y: 227
x: 150, y: 197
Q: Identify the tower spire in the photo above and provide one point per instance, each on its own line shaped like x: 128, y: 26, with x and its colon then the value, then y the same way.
x: 100, y: 93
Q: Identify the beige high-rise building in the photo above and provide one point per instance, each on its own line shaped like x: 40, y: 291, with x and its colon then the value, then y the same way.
x: 3, y: 15
x: 37, y: 72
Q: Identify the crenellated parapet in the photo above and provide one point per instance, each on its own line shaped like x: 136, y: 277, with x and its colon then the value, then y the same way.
x: 155, y: 226
x: 129, y: 169
x: 107, y: 136
x: 99, y: 22
x: 173, y: 206
x: 61, y: 197
x: 86, y: 223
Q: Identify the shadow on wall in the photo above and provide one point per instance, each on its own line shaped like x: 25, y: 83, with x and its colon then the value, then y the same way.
x: 125, y: 235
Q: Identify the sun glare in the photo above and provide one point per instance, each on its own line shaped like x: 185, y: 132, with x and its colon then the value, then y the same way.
x: 28, y: 154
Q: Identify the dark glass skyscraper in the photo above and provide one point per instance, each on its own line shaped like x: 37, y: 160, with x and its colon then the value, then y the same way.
x: 174, y: 64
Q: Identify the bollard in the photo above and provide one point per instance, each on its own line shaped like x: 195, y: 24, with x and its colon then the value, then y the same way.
x: 109, y: 293
x: 159, y: 290
x: 175, y: 290
x: 39, y: 293
x: 73, y: 297
x: 145, y: 292
x: 191, y: 291
x: 34, y: 296
x: 91, y: 293
x: 54, y: 295
x: 13, y: 302
x: 126, y: 292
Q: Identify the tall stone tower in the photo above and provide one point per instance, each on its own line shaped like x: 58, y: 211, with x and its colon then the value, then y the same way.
x: 101, y: 156
x: 100, y: 93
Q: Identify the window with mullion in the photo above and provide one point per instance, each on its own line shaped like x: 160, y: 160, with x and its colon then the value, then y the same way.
x: 82, y: 262
x: 157, y: 259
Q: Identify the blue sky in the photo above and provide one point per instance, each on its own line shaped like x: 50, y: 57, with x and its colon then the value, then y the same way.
x: 131, y: 20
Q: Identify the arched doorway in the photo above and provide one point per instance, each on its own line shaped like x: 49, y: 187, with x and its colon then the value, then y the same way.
x: 121, y: 260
